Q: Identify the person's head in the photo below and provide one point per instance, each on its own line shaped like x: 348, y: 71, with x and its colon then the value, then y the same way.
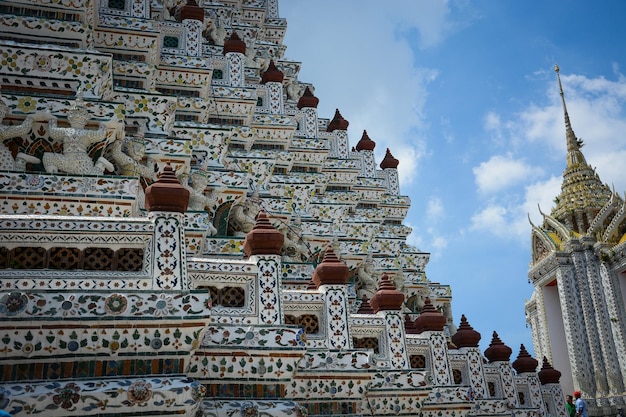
x: 576, y: 394
x: 569, y: 398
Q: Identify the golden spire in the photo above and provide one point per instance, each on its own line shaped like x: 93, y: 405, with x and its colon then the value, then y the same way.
x: 582, y: 192
x: 573, y: 144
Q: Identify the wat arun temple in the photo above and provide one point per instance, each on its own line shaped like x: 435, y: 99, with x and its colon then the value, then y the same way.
x: 181, y: 233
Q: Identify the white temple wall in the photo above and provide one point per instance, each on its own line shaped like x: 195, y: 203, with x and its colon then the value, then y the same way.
x: 558, y: 343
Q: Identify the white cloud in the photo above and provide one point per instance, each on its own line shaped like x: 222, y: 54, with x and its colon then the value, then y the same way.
x: 438, y: 243
x: 493, y: 122
x: 434, y: 208
x: 540, y: 195
x: 492, y: 218
x: 508, y: 219
x: 501, y: 172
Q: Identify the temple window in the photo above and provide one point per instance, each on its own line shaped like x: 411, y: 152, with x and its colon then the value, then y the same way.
x: 418, y: 361
x: 457, y: 376
x: 370, y: 343
x: 117, y: 4
x: 62, y: 258
x: 218, y: 74
x: 309, y: 322
x: 170, y: 42
x: 126, y: 83
x: 228, y: 296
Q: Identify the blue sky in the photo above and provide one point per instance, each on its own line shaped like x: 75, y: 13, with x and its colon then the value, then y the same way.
x: 465, y: 95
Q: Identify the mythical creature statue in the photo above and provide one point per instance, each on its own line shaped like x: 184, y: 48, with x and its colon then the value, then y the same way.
x: 243, y: 215
x: 199, y: 201
x: 9, y: 132
x: 130, y: 163
x: 76, y: 140
x: 365, y: 278
x: 294, y: 248
x: 217, y: 32
x: 294, y: 90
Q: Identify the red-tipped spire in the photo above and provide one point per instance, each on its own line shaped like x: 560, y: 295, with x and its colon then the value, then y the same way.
x: 387, y: 297
x: 430, y: 318
x: 525, y: 362
x: 389, y: 161
x: 365, y: 144
x: 365, y: 307
x: 497, y: 351
x: 331, y: 271
x: 409, y: 325
x: 465, y: 335
x: 548, y: 375
x: 234, y: 44
x: 308, y: 99
x: 167, y: 193
x: 263, y: 239
x: 272, y: 74
x: 191, y: 10
x: 338, y: 123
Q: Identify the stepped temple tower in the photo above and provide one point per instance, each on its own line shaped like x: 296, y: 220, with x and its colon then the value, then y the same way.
x: 577, y: 311
x: 181, y: 233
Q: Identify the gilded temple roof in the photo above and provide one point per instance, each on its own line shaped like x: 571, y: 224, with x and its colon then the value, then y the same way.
x: 581, y: 190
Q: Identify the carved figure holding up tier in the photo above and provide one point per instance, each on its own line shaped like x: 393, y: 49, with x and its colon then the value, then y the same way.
x: 365, y: 278
x: 130, y: 163
x: 293, y: 248
x: 294, y: 90
x: 9, y: 132
x: 217, y: 32
x: 243, y: 215
x: 76, y: 140
x: 199, y: 201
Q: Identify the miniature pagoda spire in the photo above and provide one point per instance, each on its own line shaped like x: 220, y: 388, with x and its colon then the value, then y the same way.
x: 167, y: 193
x: 430, y: 319
x: 497, y: 350
x: 548, y: 375
x: 365, y: 144
x: 338, y: 122
x: 263, y: 239
x: 234, y: 44
x: 387, y: 297
x: 465, y: 335
x: 524, y: 362
x: 191, y: 10
x: 389, y: 161
x: 272, y: 74
x: 308, y: 99
x: 331, y: 271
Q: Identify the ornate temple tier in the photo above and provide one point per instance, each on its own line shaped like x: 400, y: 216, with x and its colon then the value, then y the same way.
x: 42, y: 340
x: 235, y: 103
x: 109, y: 396
x: 158, y: 109
x: 63, y: 195
x: 67, y: 68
